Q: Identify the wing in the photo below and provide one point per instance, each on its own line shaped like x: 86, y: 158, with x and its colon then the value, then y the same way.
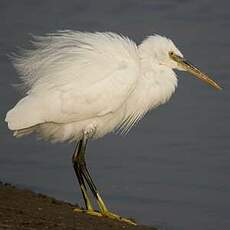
x: 99, y: 99
x: 75, y: 76
x: 65, y: 56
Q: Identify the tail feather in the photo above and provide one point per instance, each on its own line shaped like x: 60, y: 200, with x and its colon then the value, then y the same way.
x: 24, y: 132
x: 26, y: 113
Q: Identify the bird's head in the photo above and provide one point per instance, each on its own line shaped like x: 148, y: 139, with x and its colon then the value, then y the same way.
x: 162, y: 51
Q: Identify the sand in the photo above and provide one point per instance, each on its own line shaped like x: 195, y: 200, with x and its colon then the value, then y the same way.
x: 22, y: 209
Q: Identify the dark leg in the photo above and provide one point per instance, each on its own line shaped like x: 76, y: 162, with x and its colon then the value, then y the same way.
x: 84, y: 177
x: 76, y: 160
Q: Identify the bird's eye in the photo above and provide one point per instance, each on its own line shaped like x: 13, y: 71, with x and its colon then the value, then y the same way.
x: 171, y: 53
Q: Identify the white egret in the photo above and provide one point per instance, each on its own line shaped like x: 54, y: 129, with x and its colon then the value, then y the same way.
x: 81, y: 86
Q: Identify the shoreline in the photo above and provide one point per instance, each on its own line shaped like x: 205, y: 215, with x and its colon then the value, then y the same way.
x: 22, y: 209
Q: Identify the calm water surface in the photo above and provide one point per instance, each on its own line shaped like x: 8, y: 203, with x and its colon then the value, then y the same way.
x: 173, y: 169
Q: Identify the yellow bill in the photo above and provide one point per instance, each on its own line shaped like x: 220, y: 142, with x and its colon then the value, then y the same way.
x: 194, y: 70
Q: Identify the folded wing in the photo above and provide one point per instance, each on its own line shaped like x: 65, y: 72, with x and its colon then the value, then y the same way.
x: 72, y: 76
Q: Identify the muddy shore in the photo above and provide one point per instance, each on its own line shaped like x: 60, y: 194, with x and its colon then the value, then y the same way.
x: 22, y: 209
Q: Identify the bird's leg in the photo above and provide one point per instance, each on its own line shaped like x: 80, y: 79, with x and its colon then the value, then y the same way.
x: 83, y: 173
x: 76, y: 159
x: 103, y: 209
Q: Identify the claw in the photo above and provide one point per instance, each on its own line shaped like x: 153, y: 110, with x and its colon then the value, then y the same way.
x: 119, y: 218
x: 109, y: 215
x: 89, y: 212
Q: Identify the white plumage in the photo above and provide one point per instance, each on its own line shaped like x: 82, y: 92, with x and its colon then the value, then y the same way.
x: 90, y: 82
x: 85, y: 85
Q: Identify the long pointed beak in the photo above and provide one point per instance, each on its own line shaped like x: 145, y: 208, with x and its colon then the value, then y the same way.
x: 194, y: 71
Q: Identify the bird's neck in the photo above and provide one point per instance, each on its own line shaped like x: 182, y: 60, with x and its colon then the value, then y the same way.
x: 158, y: 81
x: 154, y: 87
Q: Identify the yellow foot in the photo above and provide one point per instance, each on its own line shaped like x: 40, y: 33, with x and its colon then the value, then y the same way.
x: 117, y: 217
x: 105, y: 214
x: 89, y: 212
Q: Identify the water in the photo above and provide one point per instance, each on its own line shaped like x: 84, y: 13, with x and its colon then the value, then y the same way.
x: 173, y: 169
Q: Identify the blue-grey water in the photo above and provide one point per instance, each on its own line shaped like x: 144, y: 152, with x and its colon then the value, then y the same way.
x: 173, y: 169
